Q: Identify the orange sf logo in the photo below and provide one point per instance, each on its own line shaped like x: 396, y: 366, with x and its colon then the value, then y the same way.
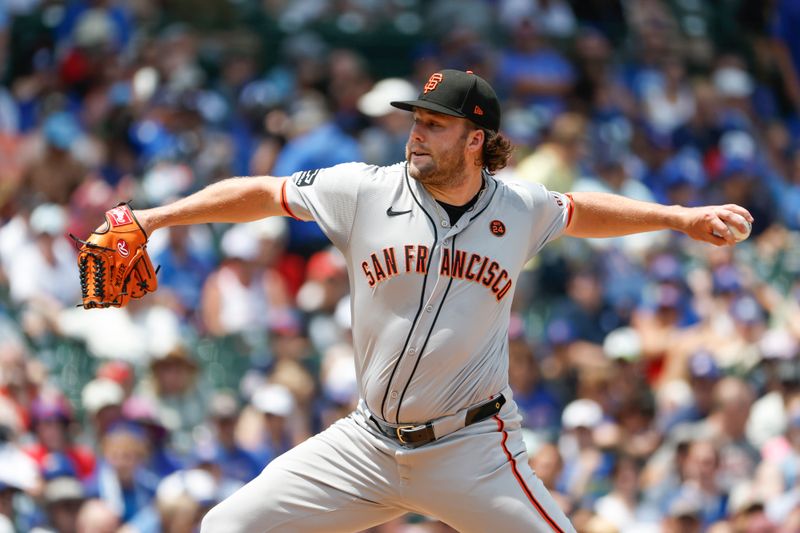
x: 497, y: 228
x: 433, y: 81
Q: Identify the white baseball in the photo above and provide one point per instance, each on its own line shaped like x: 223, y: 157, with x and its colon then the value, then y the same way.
x: 738, y: 234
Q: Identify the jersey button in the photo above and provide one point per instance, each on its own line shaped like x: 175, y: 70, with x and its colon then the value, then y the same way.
x: 394, y: 395
x: 445, y: 223
x: 446, y: 242
x: 411, y: 351
x: 428, y: 308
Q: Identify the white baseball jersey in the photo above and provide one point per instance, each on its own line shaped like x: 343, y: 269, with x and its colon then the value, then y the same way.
x: 430, y: 306
x: 430, y: 301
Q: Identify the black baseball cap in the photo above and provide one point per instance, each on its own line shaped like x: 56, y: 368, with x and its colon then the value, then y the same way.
x: 459, y: 94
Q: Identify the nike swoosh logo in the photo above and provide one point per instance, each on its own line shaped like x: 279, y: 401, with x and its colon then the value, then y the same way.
x: 392, y: 213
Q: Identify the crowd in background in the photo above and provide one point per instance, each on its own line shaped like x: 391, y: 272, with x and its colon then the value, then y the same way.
x: 658, y: 377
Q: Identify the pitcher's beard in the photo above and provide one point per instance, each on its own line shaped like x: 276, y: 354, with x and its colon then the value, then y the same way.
x: 446, y: 172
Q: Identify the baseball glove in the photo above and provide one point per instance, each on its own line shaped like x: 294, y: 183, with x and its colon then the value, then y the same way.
x: 113, y: 262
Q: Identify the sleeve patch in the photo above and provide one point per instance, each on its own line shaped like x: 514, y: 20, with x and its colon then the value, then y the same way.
x: 306, y: 178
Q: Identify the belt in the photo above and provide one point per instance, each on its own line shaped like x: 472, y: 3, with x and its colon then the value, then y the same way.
x: 413, y: 436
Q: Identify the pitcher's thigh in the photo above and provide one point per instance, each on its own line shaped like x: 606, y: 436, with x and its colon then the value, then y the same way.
x: 507, y: 503
x: 325, y: 484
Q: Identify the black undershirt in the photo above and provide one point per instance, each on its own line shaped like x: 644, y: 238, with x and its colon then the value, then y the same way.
x: 455, y: 211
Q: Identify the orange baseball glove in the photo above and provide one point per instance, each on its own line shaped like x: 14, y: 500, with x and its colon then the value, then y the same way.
x: 113, y: 262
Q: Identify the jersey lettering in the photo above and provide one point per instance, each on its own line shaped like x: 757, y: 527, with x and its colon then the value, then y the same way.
x: 459, y: 258
x: 409, y: 248
x: 474, y: 258
x: 445, y: 268
x: 489, y: 279
x: 391, y: 263
x: 380, y: 275
x: 368, y: 273
x: 422, y: 259
x: 477, y: 268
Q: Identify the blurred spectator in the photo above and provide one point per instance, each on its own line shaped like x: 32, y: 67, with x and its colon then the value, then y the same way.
x: 52, y: 425
x: 555, y: 17
x: 684, y: 515
x: 62, y: 497
x: 547, y: 463
x: 384, y: 143
x: 140, y: 410
x: 43, y: 269
x: 242, y: 295
x: 747, y: 509
x: 102, y: 399
x: 20, y: 476
x: 325, y: 287
x: 786, y: 49
x: 538, y: 403
x: 701, y: 483
x: 276, y: 405
x: 621, y: 505
x: 669, y: 103
x: 223, y: 452
x: 121, y: 479
x: 181, y: 501
x: 53, y: 173
x: 585, y: 464
x: 96, y: 516
x: 178, y: 397
x: 532, y: 72
x: 339, y: 386
x: 184, y: 267
x: 120, y: 372
x: 555, y: 162
x: 584, y: 306
x: 781, y: 383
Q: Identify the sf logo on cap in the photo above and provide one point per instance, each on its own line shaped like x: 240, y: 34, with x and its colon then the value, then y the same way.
x: 433, y: 81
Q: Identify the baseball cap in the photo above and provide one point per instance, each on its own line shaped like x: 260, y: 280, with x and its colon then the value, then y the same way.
x: 50, y: 407
x: 375, y: 103
x: 274, y: 399
x: 623, y: 344
x: 100, y: 393
x: 685, y: 506
x: 778, y: 343
x: 48, y: 219
x: 703, y: 365
x: 117, y: 371
x: 745, y: 497
x: 223, y: 404
x: 63, y: 488
x: 582, y: 413
x: 197, y: 484
x: 458, y: 94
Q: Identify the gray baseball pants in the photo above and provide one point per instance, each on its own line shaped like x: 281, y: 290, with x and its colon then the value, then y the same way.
x: 350, y: 477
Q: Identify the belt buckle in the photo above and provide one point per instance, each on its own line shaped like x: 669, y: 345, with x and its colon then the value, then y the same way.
x: 398, y: 431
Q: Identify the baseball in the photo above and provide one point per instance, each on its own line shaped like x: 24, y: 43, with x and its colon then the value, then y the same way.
x: 738, y: 234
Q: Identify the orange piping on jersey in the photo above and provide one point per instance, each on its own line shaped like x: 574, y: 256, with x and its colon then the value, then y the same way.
x: 528, y: 493
x: 570, y: 208
x: 284, y: 203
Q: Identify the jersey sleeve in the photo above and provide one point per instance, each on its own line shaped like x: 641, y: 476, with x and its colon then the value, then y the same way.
x: 550, y: 214
x: 328, y: 196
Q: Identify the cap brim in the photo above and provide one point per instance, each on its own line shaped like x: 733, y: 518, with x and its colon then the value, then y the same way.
x: 430, y: 106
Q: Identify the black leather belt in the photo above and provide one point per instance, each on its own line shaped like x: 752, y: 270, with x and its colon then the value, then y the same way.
x: 412, y: 436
